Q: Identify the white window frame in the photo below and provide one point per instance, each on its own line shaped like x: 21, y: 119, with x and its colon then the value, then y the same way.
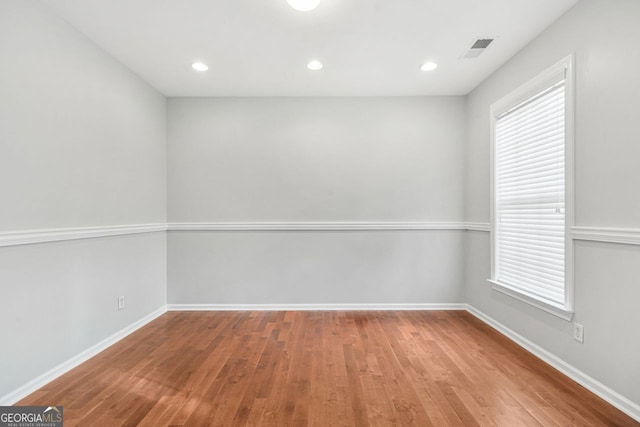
x: 521, y: 94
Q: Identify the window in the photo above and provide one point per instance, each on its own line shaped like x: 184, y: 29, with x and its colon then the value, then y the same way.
x: 532, y: 192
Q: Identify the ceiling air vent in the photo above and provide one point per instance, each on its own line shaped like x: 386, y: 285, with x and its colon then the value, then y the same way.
x: 477, y: 47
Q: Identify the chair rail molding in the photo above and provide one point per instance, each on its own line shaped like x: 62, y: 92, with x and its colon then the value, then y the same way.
x: 319, y: 226
x: 627, y: 236
x: 478, y: 226
x: 25, y: 237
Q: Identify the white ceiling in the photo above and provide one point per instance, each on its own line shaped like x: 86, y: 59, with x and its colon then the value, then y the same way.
x: 261, y: 47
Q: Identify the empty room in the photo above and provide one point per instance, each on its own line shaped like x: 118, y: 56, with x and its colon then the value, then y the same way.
x: 319, y: 213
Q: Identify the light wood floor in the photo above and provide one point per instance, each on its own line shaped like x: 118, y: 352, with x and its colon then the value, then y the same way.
x: 321, y: 369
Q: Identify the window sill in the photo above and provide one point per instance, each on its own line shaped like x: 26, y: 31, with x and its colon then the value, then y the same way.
x: 557, y: 311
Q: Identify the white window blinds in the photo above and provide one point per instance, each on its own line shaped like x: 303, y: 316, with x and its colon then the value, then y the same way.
x: 530, y: 195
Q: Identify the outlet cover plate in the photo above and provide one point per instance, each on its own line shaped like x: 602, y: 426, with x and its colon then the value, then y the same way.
x: 578, y: 332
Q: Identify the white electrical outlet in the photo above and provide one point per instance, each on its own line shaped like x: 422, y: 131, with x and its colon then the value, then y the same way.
x: 578, y: 332
x: 120, y: 302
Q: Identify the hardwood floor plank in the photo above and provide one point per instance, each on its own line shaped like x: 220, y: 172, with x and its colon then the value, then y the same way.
x: 375, y: 368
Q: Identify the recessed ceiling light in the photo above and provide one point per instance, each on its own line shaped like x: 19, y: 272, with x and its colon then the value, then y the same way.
x: 303, y: 5
x: 429, y: 66
x: 199, y: 66
x: 314, y: 65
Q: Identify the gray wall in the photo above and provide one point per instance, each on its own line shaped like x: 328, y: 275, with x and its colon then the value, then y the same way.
x: 82, y: 137
x: 315, y: 159
x: 603, y: 35
x: 82, y: 143
x: 59, y: 299
x: 316, y: 267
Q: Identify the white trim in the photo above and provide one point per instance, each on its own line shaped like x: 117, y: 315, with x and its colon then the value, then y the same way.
x: 532, y: 300
x: 42, y: 380
x: 315, y: 307
x: 627, y: 236
x: 314, y: 226
x: 478, y: 226
x: 630, y: 236
x: 569, y: 185
x: 622, y: 403
x: 531, y: 87
x: 24, y: 237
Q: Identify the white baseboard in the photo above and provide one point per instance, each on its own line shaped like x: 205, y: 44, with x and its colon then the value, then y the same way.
x: 52, y: 374
x: 622, y: 403
x: 313, y: 307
